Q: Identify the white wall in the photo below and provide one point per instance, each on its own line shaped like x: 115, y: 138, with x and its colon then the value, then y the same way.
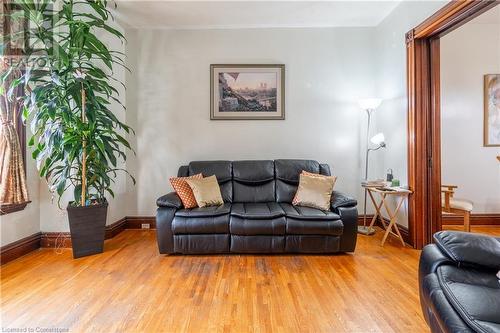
x: 15, y: 226
x: 466, y: 55
x: 391, y: 117
x: 327, y: 71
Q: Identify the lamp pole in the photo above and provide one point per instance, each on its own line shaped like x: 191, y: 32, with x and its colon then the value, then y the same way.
x: 364, y: 230
x: 369, y: 105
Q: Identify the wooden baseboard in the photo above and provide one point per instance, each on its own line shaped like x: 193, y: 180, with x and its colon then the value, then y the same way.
x: 402, y: 229
x: 136, y: 222
x: 63, y: 239
x: 115, y: 228
x: 19, y: 248
x: 23, y: 246
x: 55, y: 239
x: 475, y: 219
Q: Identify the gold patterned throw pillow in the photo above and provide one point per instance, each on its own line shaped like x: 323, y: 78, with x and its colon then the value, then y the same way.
x: 206, y: 191
x: 314, y: 191
x: 183, y: 190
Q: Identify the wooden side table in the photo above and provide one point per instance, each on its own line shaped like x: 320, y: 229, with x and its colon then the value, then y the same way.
x: 402, y: 194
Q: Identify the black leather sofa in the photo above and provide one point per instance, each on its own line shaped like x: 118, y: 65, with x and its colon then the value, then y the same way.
x: 459, y: 290
x: 257, y: 215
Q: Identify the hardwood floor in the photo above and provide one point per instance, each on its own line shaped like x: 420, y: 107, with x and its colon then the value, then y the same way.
x: 131, y: 288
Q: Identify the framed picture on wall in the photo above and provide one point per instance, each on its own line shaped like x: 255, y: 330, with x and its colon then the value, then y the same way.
x: 247, y: 92
x: 492, y: 110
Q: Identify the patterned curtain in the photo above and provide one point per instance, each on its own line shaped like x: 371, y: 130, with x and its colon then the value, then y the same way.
x: 12, y: 176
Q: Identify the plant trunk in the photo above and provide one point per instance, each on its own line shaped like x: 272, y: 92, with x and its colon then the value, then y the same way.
x: 84, y: 154
x: 87, y: 225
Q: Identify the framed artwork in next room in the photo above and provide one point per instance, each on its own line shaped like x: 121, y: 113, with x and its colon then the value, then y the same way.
x: 247, y: 92
x: 492, y: 110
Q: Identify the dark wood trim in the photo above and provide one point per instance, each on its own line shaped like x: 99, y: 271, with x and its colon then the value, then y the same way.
x: 115, y: 228
x: 418, y: 140
x: 19, y: 248
x: 452, y: 16
x: 424, y: 140
x: 11, y: 208
x: 475, y: 219
x: 135, y: 222
x: 405, y: 232
x: 435, y: 138
x: 55, y: 239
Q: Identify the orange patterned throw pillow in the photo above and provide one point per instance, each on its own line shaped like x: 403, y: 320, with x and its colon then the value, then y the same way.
x: 184, y: 191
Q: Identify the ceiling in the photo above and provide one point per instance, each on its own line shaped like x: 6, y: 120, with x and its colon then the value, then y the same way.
x: 163, y: 14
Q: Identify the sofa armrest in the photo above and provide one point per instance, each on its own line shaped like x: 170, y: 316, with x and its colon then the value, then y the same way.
x: 164, y: 236
x: 341, y: 200
x: 170, y: 200
x: 471, y: 249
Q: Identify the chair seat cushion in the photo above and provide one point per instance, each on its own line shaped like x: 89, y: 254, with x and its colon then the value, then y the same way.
x: 205, y: 211
x: 264, y: 210
x: 461, y: 204
x: 474, y: 294
x: 308, y: 213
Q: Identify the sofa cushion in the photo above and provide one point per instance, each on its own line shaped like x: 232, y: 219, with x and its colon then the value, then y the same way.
x: 223, y: 170
x: 312, y: 244
x: 474, y: 294
x: 308, y: 213
x: 251, y: 227
x: 253, y: 181
x: 311, y: 221
x: 290, y: 170
x: 206, y: 220
x: 257, y: 244
x: 201, y: 225
x: 312, y: 227
x: 253, y: 172
x: 205, y: 211
x: 201, y: 244
x: 287, y: 176
x: 263, y: 210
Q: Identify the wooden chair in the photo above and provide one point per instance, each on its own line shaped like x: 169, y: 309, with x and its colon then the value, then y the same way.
x: 455, y: 206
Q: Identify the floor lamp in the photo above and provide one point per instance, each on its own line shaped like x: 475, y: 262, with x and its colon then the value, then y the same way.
x: 370, y: 105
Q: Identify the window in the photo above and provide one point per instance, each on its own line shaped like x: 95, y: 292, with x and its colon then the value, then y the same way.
x: 13, y: 189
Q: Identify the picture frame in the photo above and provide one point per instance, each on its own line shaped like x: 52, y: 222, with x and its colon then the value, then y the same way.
x: 491, y: 110
x: 247, y: 92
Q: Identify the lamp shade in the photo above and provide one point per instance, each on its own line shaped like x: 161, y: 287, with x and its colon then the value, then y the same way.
x: 378, y: 138
x: 369, y: 103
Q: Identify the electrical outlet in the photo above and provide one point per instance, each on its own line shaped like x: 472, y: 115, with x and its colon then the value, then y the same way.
x: 145, y: 226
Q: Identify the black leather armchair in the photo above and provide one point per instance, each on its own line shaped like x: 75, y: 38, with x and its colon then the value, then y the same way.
x: 257, y: 215
x: 459, y: 289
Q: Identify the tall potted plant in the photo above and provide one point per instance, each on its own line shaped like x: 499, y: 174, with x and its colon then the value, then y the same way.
x: 76, y: 140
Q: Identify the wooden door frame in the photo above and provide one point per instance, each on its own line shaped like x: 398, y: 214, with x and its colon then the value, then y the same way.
x: 424, y: 136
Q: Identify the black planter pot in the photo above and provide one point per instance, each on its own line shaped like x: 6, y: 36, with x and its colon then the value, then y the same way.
x: 87, y: 226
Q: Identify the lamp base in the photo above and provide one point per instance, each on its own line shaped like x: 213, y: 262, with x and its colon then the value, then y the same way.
x: 366, y: 231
